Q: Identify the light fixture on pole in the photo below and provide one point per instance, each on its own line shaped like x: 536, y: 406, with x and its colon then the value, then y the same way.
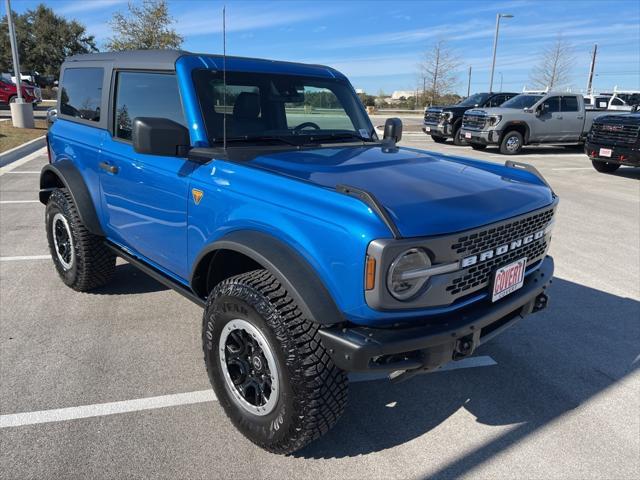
x: 495, y: 45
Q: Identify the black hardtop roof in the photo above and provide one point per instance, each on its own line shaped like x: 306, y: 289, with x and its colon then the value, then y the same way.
x: 160, y: 59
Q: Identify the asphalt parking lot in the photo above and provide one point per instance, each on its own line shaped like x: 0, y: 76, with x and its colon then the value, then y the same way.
x: 555, y: 397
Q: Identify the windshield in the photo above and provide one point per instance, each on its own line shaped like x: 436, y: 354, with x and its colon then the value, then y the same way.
x: 473, y: 100
x: 521, y: 101
x: 288, y: 108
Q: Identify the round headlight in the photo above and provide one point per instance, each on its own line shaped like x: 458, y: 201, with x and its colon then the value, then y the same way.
x: 405, y: 278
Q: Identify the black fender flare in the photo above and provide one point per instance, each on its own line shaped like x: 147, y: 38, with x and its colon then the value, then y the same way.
x: 295, y: 274
x: 64, y: 173
x: 508, y: 125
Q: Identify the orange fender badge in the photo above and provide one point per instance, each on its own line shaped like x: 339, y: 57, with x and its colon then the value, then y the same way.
x: 197, y: 195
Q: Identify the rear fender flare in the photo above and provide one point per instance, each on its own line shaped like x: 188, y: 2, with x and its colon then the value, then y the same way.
x: 295, y: 274
x: 65, y: 174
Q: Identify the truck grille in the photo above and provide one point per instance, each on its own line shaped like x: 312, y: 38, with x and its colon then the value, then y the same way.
x: 607, y: 133
x: 473, y: 122
x: 479, y: 275
x: 432, y: 117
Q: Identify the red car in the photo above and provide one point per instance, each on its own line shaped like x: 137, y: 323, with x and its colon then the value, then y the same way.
x: 9, y: 92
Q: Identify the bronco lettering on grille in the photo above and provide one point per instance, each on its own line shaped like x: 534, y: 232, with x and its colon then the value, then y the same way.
x: 501, y: 250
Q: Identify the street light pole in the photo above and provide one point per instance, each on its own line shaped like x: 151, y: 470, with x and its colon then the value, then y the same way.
x: 14, y: 51
x: 21, y: 113
x: 495, y: 45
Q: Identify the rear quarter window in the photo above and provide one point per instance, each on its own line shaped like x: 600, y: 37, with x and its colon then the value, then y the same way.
x: 81, y: 93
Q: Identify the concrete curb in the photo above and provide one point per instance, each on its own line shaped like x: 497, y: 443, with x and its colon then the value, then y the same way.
x: 21, y: 150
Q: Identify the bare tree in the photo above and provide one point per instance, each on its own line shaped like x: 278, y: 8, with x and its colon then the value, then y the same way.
x: 554, y: 67
x: 438, y: 70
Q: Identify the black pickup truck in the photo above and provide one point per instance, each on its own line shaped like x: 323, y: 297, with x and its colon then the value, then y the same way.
x: 444, y: 122
x: 614, y: 140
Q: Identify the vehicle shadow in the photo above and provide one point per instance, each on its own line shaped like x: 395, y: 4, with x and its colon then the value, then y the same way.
x: 628, y: 172
x: 548, y: 365
x: 128, y: 280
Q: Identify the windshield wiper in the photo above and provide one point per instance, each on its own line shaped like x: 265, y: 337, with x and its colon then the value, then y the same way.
x: 263, y: 138
x: 340, y: 135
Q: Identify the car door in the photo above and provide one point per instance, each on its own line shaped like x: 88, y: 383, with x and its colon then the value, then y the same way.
x: 547, y: 125
x: 572, y: 118
x: 144, y: 197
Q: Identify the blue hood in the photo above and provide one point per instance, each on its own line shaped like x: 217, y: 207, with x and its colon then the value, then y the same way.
x: 425, y: 193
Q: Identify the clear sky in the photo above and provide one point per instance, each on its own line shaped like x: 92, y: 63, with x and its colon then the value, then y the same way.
x: 379, y: 43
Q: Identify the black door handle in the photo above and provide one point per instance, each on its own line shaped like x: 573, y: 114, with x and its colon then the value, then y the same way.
x: 108, y: 167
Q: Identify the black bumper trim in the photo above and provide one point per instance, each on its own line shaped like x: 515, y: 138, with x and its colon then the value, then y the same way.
x: 428, y: 347
x: 630, y: 152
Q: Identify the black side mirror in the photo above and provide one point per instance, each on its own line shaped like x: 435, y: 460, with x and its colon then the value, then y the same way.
x: 393, y: 130
x: 160, y: 136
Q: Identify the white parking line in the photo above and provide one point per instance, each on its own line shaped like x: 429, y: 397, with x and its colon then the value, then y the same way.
x: 163, y: 401
x: 2, y: 202
x: 13, y: 165
x: 24, y: 257
x: 102, y: 409
x: 573, y: 168
x: 23, y: 171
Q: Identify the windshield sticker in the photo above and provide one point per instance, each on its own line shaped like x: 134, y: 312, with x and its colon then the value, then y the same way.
x: 364, y: 133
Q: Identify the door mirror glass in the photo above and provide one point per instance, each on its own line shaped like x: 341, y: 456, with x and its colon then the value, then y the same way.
x: 160, y: 136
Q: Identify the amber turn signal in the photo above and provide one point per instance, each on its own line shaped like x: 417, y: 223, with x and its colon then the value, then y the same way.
x: 370, y: 277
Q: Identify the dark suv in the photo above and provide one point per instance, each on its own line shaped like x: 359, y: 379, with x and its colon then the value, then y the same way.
x: 614, y: 140
x: 444, y: 122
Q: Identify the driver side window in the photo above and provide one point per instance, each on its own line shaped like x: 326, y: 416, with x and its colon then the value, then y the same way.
x: 552, y: 105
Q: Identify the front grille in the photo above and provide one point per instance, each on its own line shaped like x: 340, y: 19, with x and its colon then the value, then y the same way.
x: 614, y: 133
x: 474, y: 122
x: 479, y: 275
x: 432, y: 117
x: 494, y: 237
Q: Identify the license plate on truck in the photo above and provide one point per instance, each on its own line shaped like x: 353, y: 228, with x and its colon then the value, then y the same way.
x: 467, y: 135
x: 605, y: 152
x: 508, y: 279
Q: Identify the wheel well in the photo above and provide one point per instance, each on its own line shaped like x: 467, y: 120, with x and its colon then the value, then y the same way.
x: 49, y: 180
x: 522, y: 129
x: 219, y: 265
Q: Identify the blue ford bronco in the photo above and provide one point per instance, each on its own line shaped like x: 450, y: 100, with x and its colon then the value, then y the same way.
x: 260, y: 190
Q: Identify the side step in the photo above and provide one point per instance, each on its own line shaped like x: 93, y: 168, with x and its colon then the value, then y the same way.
x: 156, y: 274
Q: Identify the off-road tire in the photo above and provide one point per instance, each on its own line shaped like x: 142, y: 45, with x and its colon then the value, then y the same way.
x: 478, y: 146
x: 312, y: 390
x: 93, y: 263
x: 511, y: 138
x: 458, y: 140
x: 438, y: 139
x: 605, y: 167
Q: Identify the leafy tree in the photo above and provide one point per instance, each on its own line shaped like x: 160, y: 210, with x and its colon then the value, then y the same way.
x: 147, y: 26
x: 44, y: 41
x: 554, y: 67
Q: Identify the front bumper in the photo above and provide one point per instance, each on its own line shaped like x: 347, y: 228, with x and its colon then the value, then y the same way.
x: 427, y: 347
x: 439, y: 129
x: 622, y: 155
x: 482, y: 137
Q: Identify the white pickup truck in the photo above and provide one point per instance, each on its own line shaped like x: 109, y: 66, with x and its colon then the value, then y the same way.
x: 529, y: 119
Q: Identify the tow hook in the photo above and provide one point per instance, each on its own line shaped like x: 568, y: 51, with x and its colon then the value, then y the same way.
x: 540, y: 303
x: 463, y: 347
